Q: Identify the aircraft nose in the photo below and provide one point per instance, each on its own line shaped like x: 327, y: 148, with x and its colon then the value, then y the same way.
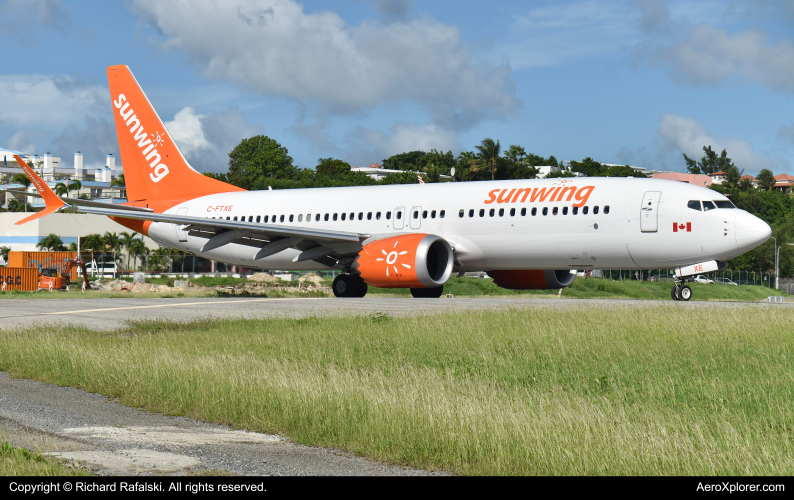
x: 750, y: 231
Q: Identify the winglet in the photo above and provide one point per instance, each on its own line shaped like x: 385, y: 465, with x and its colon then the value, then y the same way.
x: 51, y: 200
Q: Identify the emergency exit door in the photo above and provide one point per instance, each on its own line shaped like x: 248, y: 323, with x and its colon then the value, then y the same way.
x: 649, y: 214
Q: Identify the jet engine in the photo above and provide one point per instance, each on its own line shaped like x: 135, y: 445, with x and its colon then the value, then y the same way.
x: 406, y: 261
x: 532, y: 279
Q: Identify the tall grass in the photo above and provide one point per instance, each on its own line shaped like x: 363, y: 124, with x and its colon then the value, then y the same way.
x: 650, y: 390
x: 24, y: 462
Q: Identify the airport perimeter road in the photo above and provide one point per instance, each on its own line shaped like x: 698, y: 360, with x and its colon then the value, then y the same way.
x: 110, y: 313
x: 112, y: 439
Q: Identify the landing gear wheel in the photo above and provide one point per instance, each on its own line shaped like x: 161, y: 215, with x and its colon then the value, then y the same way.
x: 674, y: 292
x: 685, y: 293
x: 349, y: 286
x: 427, y: 293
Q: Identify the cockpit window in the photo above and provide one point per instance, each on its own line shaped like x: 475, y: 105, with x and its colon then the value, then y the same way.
x: 724, y: 204
x: 694, y: 204
x: 707, y: 205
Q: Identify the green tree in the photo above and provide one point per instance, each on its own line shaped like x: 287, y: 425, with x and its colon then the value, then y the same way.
x: 405, y: 161
x: 60, y: 189
x: 258, y: 158
x: 710, y: 163
x: 766, y: 179
x: 515, y: 154
x: 219, y: 177
x: 330, y: 167
x: 51, y: 242
x: 21, y: 179
x: 487, y: 157
x: 92, y: 243
x: 137, y: 247
x: 732, y: 177
x: 118, y: 181
x: 745, y: 184
x: 125, y: 240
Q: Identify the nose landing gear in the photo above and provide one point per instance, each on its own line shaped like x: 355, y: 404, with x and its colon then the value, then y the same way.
x: 681, y: 291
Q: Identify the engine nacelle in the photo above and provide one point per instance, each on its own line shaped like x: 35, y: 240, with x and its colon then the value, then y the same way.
x: 533, y: 279
x: 406, y: 261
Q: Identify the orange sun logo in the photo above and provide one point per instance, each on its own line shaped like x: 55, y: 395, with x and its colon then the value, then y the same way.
x: 391, y: 259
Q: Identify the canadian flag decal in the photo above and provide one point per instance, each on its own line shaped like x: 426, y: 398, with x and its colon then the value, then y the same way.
x: 680, y: 226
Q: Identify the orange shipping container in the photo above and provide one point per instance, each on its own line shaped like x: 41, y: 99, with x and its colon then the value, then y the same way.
x: 19, y: 278
x: 43, y: 260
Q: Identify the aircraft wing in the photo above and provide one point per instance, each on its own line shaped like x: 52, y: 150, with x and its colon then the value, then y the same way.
x: 218, y: 227
x: 78, y: 201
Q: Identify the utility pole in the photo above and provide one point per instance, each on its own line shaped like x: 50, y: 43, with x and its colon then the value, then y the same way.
x: 776, y: 258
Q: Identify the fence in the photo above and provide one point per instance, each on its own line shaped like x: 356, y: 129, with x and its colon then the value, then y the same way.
x: 724, y: 277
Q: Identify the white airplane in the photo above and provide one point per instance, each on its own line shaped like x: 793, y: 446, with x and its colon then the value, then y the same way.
x: 526, y: 234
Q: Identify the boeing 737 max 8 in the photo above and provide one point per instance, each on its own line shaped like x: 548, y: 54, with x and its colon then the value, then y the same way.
x: 527, y: 234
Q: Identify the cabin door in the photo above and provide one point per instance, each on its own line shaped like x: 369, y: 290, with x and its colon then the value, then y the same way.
x: 649, y: 214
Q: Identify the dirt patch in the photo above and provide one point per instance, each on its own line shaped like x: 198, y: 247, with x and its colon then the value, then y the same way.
x: 262, y: 277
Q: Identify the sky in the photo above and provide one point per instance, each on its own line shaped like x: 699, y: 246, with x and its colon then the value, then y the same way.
x: 634, y: 82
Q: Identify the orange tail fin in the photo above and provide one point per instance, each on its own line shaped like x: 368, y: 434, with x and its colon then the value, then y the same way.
x: 154, y: 168
x: 51, y: 200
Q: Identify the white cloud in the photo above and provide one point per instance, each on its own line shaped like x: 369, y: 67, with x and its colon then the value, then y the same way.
x: 274, y: 48
x: 48, y: 100
x: 557, y: 34
x: 17, y: 17
x: 206, y: 140
x: 685, y: 135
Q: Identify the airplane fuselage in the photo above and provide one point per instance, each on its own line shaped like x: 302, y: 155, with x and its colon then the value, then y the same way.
x: 619, y: 223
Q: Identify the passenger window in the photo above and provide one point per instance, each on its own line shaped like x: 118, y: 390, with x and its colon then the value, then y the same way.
x: 471, y: 212
x: 377, y: 216
x: 433, y: 214
x: 266, y: 218
x: 575, y: 210
x: 424, y: 214
x: 442, y: 213
x: 545, y: 210
x: 694, y: 204
x: 595, y: 210
x: 584, y: 210
x: 235, y: 217
x: 512, y: 212
x: 606, y: 209
x: 336, y: 215
x: 352, y: 215
x: 300, y: 217
x: 291, y: 217
x: 534, y: 212
x: 343, y: 216
x: 388, y: 215
x: 707, y: 205
x: 227, y: 218
x: 317, y: 217
x: 281, y: 218
x: 482, y: 212
x: 554, y: 211
x: 326, y: 217
x: 369, y: 215
x: 491, y: 212
x: 564, y: 210
x: 501, y: 212
x: 399, y: 215
x: 274, y: 219
x: 258, y: 217
x: 361, y: 216
x: 523, y: 212
x: 461, y: 213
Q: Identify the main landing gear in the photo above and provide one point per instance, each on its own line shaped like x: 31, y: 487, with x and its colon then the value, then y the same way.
x: 680, y: 291
x: 346, y: 285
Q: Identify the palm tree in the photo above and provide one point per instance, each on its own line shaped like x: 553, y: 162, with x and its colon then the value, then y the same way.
x: 487, y: 158
x: 22, y: 179
x: 51, y: 242
x: 766, y: 179
x: 92, y: 243
x: 75, y: 185
x: 515, y: 154
x: 126, y: 240
x: 118, y: 181
x: 137, y: 247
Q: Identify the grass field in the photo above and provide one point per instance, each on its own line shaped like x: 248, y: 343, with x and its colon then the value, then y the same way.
x: 652, y: 390
x: 24, y: 462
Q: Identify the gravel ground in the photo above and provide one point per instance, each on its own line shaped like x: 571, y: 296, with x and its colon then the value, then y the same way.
x: 111, y: 439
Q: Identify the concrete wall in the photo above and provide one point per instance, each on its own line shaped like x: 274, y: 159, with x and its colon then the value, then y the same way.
x: 67, y: 226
